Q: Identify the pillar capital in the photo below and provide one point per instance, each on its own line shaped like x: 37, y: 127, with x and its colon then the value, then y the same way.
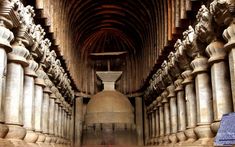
x: 164, y: 96
x: 32, y: 68
x: 159, y: 101
x: 171, y: 90
x: 6, y: 36
x: 178, y: 84
x: 154, y: 107
x: 39, y: 80
x: 8, y: 15
x: 53, y: 96
x: 228, y: 35
x: 200, y: 64
x: 216, y: 52
x: 187, y: 76
x: 19, y: 53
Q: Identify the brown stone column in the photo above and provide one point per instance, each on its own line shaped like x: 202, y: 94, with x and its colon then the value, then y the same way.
x: 181, y: 110
x: 222, y: 97
x: 29, y: 102
x: 62, y: 121
x: 152, y: 124
x: 191, y: 108
x: 59, y: 121
x: 161, y: 118
x: 45, y: 114
x: 56, y: 121
x: 173, y: 113
x: 146, y: 126
x: 139, y: 120
x: 166, y: 117
x: 157, y: 131
x: 52, y: 117
x: 204, y: 100
x: 6, y: 36
x: 39, y: 85
x: 14, y: 92
x: 78, y: 120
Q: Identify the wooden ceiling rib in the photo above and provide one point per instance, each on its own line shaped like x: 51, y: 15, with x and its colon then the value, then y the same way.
x: 145, y: 29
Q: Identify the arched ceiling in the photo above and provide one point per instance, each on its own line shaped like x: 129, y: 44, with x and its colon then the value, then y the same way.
x: 142, y: 28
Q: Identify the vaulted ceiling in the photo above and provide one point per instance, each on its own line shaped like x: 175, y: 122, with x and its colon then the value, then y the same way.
x: 145, y: 29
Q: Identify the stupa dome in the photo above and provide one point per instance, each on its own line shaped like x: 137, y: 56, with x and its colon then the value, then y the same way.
x: 109, y: 107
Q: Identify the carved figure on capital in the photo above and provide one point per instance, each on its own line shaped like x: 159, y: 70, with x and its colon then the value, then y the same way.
x: 220, y: 11
x: 44, y: 50
x: 38, y: 34
x: 166, y: 77
x: 204, y: 29
x: 190, y: 42
x: 181, y: 56
x: 174, y: 69
x: 159, y: 81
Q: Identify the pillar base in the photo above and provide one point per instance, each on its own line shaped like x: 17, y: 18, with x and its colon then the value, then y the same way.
x: 41, y: 139
x: 4, y: 130
x: 48, y: 139
x: 173, y: 138
x: 15, y: 135
x: 166, y: 140
x: 6, y: 143
x: 191, y: 136
x: 16, y: 132
x: 181, y: 137
x: 161, y: 140
x: 31, y: 137
x: 215, y: 127
x: 156, y: 141
x: 205, y: 135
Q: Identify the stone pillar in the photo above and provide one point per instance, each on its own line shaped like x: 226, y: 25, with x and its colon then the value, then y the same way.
x: 161, y: 118
x: 56, y: 121
x: 59, y: 120
x: 166, y: 117
x: 157, y: 135
x: 78, y: 120
x: 203, y: 99
x: 6, y: 36
x: 14, y: 92
x: 29, y: 102
x: 69, y: 125
x: 181, y: 110
x: 45, y: 114
x: 191, y: 108
x: 52, y: 117
x: 152, y: 123
x: 139, y: 120
x: 146, y: 126
x: 63, y: 121
x: 153, y: 107
x: 72, y: 127
x: 39, y: 85
x: 222, y: 97
x: 173, y: 113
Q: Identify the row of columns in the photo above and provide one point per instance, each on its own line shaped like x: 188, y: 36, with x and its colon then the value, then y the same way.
x: 192, y: 102
x: 31, y: 112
